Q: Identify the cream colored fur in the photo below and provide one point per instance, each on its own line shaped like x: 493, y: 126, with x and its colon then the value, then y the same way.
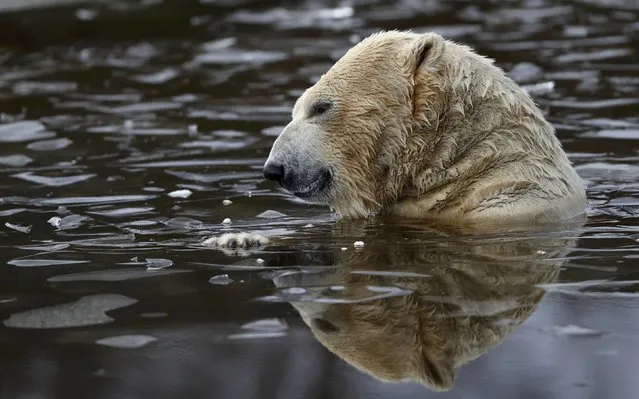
x: 426, y: 128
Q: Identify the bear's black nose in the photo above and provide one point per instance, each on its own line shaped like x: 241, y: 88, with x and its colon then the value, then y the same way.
x: 273, y: 171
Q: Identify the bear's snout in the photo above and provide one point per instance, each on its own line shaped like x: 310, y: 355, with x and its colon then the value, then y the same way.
x: 274, y: 171
x: 303, y: 181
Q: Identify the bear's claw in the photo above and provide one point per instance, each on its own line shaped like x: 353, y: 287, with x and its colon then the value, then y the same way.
x: 236, y: 241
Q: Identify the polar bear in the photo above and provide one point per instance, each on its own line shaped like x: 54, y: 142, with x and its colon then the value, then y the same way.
x: 416, y: 126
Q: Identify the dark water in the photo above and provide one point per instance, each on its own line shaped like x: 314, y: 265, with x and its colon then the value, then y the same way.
x: 105, y: 291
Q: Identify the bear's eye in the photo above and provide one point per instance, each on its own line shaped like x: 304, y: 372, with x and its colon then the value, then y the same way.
x: 319, y: 108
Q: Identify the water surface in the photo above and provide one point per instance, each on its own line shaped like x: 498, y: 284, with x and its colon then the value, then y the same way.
x: 131, y: 130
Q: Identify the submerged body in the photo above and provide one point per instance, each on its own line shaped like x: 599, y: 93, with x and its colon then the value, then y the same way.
x: 416, y: 126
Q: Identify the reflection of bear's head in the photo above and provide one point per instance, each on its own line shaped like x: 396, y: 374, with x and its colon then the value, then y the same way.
x: 404, y: 115
x: 416, y: 312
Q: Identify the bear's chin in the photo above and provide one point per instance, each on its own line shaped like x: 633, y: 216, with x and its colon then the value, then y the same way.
x: 316, y: 192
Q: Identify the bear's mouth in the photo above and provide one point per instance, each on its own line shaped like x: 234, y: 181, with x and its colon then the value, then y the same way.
x: 316, y: 187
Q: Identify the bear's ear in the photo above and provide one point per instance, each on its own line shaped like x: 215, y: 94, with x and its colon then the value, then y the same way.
x: 437, y: 374
x: 425, y: 50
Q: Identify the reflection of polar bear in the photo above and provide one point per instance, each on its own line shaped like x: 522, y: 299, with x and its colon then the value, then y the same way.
x: 455, y: 299
x: 417, y: 126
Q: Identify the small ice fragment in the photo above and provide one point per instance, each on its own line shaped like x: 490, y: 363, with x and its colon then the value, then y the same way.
x: 344, y: 249
x: 17, y: 227
x: 540, y: 252
x: 226, y: 221
x: 221, y: 279
x: 153, y: 264
x: 180, y: 193
x: 250, y: 194
x: 126, y: 341
x: 308, y: 226
x: 270, y: 214
x: 358, y: 244
x: 192, y: 130
x: 259, y: 260
x: 134, y: 259
x: 338, y: 287
x: 227, y: 202
x: 128, y: 124
x: 50, y: 145
x: 54, y: 221
x: 17, y: 160
x: 67, y: 222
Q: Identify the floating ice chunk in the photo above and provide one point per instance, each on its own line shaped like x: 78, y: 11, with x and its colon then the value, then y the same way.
x: 43, y: 262
x: 50, y: 145
x: 127, y: 341
x: 226, y: 221
x: 52, y: 181
x: 21, y: 131
x: 67, y: 222
x: 17, y: 160
x: 221, y: 279
x: 153, y: 264
x: 86, y: 311
x: 270, y: 214
x: 46, y: 248
x: 123, y: 212
x: 26, y: 88
x: 358, y: 244
x: 17, y: 227
x: 227, y: 202
x: 180, y: 193
x: 160, y: 77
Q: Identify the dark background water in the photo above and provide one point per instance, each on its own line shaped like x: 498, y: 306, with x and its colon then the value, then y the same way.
x: 108, y: 108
